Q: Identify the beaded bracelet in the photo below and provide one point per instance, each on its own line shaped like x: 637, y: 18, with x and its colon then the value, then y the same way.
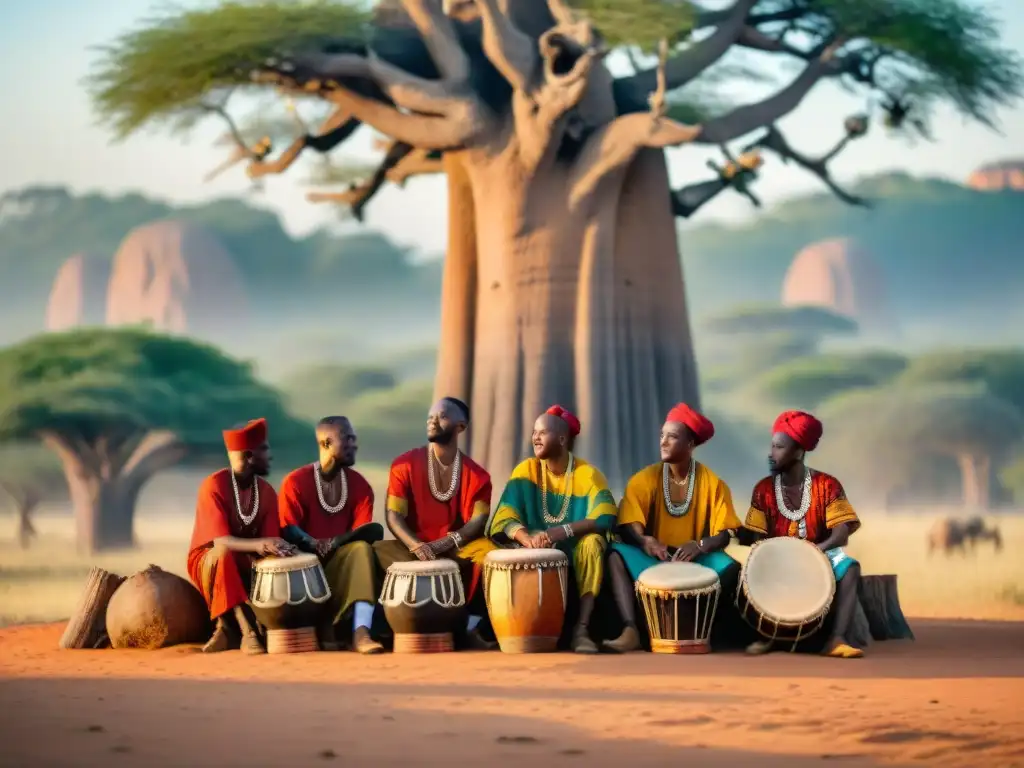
x: 456, y: 538
x: 568, y: 530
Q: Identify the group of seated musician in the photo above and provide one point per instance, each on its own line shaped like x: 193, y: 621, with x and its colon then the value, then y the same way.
x: 439, y: 506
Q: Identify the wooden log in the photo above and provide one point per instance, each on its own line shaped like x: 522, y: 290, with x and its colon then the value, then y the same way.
x: 859, y: 634
x: 87, y: 627
x: 879, y: 597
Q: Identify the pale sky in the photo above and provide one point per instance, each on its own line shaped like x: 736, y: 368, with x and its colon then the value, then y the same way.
x: 51, y: 136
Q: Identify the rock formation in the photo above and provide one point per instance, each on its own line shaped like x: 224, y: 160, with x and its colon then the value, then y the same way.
x: 1004, y: 174
x: 841, y: 276
x: 79, y: 293
x: 177, y: 277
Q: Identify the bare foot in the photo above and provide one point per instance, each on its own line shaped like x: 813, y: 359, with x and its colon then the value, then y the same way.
x: 627, y: 642
x: 364, y: 644
x: 759, y: 647
x: 222, y: 640
x: 581, y: 642
x: 251, y: 645
x: 475, y: 641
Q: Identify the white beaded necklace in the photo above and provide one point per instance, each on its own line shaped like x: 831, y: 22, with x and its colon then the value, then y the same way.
x: 678, y: 510
x: 342, y: 500
x: 795, y: 515
x: 432, y: 481
x: 246, y: 519
x: 566, y: 497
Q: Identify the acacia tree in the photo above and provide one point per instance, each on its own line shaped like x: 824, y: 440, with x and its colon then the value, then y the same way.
x: 562, y: 280
x: 118, y: 406
x: 29, y: 476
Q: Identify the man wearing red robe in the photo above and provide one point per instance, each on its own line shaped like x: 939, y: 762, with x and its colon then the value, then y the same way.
x: 795, y: 500
x: 236, y: 522
x: 326, y: 509
x: 437, y: 507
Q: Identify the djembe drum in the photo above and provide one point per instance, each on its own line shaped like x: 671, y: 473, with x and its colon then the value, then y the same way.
x: 289, y: 596
x: 786, y: 589
x: 525, y: 591
x: 679, y: 601
x: 425, y: 604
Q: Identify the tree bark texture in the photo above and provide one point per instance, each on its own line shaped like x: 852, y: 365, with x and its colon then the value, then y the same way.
x: 880, y: 599
x: 87, y: 627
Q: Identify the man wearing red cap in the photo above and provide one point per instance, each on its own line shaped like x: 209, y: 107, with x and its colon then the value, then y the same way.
x: 326, y: 509
x: 236, y: 522
x: 437, y: 506
x: 558, y: 500
x: 798, y: 501
x: 676, y: 510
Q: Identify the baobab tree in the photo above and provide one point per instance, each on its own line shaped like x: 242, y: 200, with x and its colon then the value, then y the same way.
x: 562, y: 280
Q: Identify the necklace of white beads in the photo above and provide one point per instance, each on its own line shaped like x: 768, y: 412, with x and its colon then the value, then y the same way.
x: 246, y: 519
x: 795, y: 515
x: 433, y: 481
x: 566, y: 497
x: 677, y: 510
x: 343, y: 498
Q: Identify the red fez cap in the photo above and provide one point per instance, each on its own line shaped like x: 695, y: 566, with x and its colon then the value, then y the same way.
x: 802, y: 427
x: 700, y: 425
x: 567, y: 416
x: 247, y: 438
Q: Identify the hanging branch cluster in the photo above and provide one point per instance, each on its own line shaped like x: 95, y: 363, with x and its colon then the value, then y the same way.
x: 549, y: 78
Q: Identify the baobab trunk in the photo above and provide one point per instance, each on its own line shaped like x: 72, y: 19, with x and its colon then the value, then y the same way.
x: 976, y: 480
x: 587, y: 310
x: 104, y: 511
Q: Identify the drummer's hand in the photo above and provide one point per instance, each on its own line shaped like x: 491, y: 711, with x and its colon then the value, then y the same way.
x: 654, y: 548
x: 325, y: 548
x: 441, y: 546
x: 686, y: 552
x: 275, y: 547
x: 540, y: 540
x: 422, y: 551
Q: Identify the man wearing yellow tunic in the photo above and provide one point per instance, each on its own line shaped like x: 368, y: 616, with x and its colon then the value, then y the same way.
x: 558, y: 500
x: 676, y: 510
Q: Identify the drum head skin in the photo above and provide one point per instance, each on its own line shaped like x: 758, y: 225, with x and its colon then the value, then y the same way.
x: 507, y: 557
x: 424, y: 567
x: 679, y: 577
x: 788, y: 579
x: 285, y: 564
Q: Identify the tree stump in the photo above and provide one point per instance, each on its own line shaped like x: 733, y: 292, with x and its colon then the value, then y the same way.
x: 880, y: 601
x: 87, y: 627
x: 859, y: 634
x: 154, y: 609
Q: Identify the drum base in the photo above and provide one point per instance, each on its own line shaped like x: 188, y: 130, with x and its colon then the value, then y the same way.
x: 442, y: 642
x: 680, y: 646
x: 301, y: 640
x: 528, y: 644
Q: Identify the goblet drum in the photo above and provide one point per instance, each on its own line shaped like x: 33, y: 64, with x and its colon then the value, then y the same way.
x: 679, y: 601
x: 289, y: 597
x: 425, y: 604
x: 526, y: 598
x: 786, y: 589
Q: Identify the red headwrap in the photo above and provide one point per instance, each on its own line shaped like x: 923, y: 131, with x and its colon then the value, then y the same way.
x: 801, y: 426
x: 566, y: 416
x: 701, y: 426
x: 248, y: 438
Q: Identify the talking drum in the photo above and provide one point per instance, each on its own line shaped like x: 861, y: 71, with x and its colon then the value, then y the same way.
x: 425, y: 604
x: 526, y: 598
x: 679, y: 602
x: 786, y: 589
x: 289, y: 597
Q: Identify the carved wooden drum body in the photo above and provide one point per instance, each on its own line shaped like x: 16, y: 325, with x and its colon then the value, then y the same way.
x: 425, y: 604
x: 679, y: 601
x: 526, y: 598
x: 786, y: 589
x: 289, y: 597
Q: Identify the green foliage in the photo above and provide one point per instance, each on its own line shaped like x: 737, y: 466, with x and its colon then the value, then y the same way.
x: 29, y: 473
x: 638, y: 22
x: 1011, y: 477
x: 807, y: 382
x: 166, y: 67
x: 769, y: 318
x: 390, y: 422
x: 1000, y: 370
x: 315, y: 391
x: 110, y: 384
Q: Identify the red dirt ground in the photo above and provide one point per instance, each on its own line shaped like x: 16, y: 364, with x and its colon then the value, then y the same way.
x: 952, y: 698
